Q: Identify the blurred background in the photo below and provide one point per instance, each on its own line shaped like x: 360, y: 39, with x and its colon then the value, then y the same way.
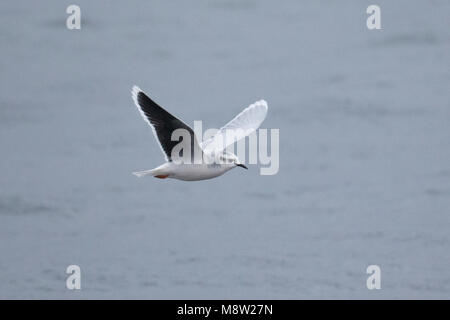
x: 364, y: 150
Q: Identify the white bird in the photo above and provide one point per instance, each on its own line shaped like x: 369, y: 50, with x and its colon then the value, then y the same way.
x: 163, y: 125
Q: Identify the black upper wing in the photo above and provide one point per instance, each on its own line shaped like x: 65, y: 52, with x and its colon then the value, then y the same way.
x: 162, y: 122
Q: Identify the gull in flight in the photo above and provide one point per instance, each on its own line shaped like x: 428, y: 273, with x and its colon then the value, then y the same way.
x: 218, y: 161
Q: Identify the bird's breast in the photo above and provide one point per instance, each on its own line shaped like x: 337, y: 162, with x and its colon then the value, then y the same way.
x: 192, y: 172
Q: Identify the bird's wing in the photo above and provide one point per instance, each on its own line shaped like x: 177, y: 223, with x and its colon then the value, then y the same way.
x: 163, y: 124
x: 241, y: 126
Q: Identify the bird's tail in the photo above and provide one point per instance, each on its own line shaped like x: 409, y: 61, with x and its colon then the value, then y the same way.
x: 140, y: 174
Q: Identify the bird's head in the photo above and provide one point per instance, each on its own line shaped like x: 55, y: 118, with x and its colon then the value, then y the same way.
x: 228, y: 158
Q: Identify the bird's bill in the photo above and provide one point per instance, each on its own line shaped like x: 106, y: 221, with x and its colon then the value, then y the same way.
x: 242, y: 166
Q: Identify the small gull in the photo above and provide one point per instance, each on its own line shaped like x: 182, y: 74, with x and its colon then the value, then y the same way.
x: 164, y: 124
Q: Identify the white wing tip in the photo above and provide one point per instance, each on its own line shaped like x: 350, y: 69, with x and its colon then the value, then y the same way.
x: 261, y: 103
x: 134, y: 92
x: 134, y: 95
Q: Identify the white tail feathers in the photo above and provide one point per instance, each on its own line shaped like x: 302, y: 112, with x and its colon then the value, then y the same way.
x: 140, y: 174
